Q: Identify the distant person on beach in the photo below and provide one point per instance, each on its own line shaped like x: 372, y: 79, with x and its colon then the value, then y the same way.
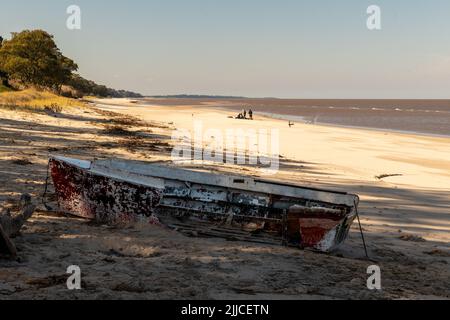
x: 250, y: 114
x: 245, y: 114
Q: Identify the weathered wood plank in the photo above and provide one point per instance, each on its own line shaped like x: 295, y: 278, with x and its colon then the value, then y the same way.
x: 7, y: 248
x: 10, y: 225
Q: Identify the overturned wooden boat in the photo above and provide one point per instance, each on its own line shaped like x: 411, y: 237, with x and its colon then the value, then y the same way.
x: 204, y: 204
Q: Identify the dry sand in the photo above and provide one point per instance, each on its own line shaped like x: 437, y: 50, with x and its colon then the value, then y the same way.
x: 406, y: 218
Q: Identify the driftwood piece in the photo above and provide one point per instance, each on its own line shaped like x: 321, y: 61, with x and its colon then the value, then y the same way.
x: 7, y: 248
x: 10, y: 226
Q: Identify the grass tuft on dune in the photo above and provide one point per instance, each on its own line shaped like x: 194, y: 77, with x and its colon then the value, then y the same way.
x: 32, y: 100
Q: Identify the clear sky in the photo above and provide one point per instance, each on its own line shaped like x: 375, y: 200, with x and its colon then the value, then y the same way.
x: 257, y: 48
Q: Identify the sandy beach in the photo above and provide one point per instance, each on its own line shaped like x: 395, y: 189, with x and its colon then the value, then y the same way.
x: 403, y: 181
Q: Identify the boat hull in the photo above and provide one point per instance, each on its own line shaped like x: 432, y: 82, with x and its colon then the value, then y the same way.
x: 204, y: 204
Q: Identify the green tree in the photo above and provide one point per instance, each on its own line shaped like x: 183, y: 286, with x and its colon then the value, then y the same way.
x: 3, y: 75
x: 34, y: 58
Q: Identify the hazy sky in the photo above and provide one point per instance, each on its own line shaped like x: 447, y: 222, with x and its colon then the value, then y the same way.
x: 259, y: 48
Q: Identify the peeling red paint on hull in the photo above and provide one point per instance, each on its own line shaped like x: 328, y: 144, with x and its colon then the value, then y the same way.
x: 315, y: 231
x: 119, y: 191
x: 92, y: 196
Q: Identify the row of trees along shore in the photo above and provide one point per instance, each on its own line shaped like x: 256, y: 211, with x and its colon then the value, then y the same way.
x: 31, y: 58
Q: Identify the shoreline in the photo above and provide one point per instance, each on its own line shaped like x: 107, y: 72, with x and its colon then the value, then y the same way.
x: 301, y: 119
x: 123, y: 103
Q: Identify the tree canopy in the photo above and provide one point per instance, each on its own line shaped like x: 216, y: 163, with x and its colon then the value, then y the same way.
x: 33, y: 58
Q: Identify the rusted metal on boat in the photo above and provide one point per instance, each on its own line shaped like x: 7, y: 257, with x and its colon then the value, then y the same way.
x: 204, y: 204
